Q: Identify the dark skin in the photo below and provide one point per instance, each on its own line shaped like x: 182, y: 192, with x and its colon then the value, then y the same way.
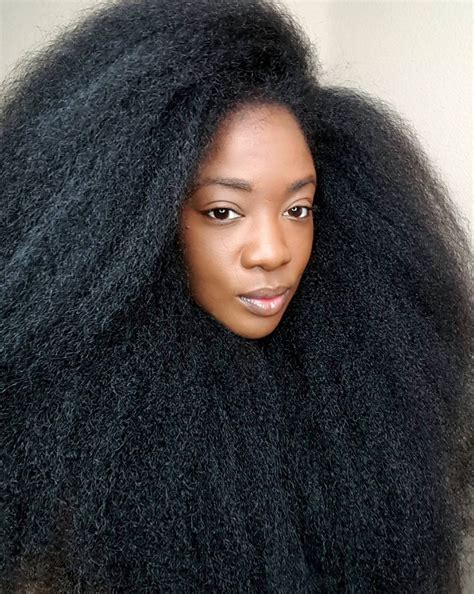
x: 247, y: 223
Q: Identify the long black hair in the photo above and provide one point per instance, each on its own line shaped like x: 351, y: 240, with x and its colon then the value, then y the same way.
x: 148, y: 448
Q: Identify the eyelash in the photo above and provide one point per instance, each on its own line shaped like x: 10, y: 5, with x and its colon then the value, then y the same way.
x: 206, y: 212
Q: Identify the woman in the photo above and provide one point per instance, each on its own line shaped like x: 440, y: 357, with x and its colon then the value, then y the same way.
x: 160, y: 163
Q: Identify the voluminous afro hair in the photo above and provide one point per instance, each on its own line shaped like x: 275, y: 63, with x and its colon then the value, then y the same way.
x: 148, y: 448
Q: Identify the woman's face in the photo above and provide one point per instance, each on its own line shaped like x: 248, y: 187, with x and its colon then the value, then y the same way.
x: 247, y: 223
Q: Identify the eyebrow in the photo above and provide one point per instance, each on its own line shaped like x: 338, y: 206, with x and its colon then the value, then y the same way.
x: 241, y: 184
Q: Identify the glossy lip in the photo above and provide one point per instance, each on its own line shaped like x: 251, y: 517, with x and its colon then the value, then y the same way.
x: 269, y: 306
x: 265, y: 292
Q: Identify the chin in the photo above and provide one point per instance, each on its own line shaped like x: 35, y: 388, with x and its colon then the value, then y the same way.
x: 255, y: 331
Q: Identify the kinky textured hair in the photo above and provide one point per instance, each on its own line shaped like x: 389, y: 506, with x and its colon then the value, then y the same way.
x: 148, y: 448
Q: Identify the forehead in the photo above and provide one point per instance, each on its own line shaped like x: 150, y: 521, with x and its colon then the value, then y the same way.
x: 255, y: 138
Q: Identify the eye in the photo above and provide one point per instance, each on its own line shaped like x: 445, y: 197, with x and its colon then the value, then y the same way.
x: 221, y: 214
x: 296, y: 210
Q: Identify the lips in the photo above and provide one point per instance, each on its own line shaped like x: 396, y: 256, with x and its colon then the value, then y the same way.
x: 266, y: 306
x: 265, y: 292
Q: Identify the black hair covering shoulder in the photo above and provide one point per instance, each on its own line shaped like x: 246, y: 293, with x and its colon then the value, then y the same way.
x: 148, y: 448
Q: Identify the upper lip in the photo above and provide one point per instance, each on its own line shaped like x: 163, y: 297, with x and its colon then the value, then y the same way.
x: 265, y: 292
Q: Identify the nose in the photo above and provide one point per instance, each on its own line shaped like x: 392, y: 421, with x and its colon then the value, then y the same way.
x: 266, y: 246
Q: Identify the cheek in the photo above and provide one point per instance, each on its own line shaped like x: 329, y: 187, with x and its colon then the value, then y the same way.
x: 207, y: 262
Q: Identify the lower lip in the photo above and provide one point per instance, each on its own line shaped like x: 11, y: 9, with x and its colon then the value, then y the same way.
x: 268, y: 306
